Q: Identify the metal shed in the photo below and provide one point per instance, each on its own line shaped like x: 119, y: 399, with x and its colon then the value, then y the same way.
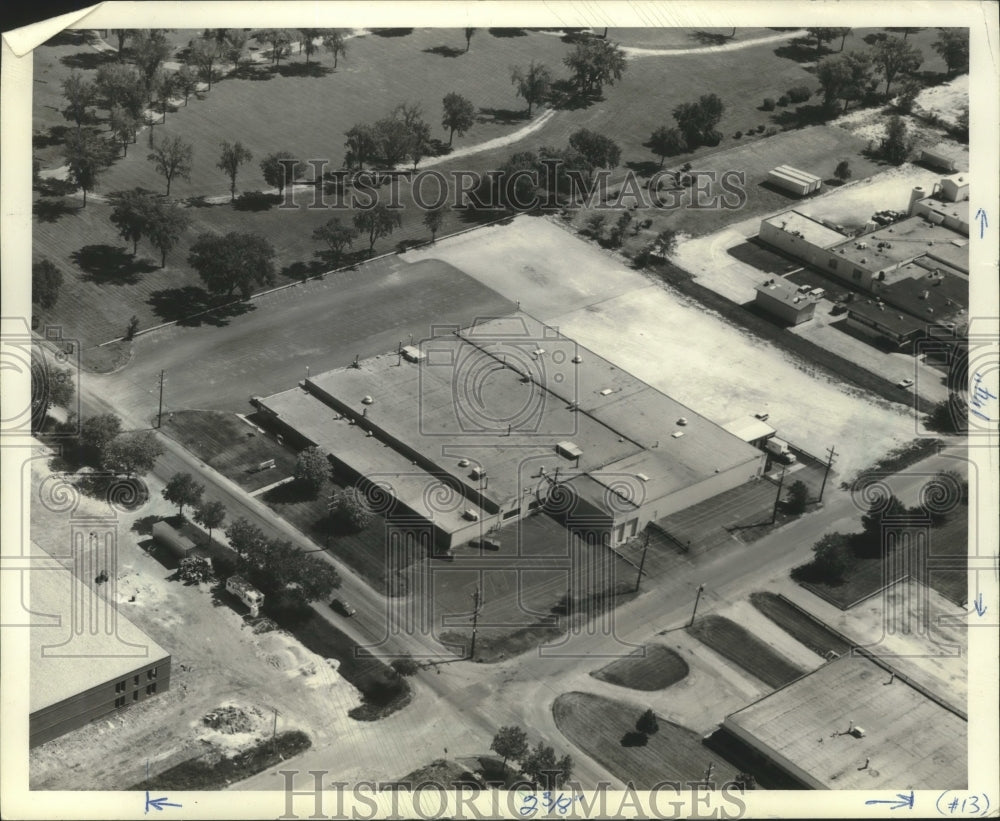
x: 177, y: 543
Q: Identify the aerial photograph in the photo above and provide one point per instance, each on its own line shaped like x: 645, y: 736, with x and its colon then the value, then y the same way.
x: 535, y: 415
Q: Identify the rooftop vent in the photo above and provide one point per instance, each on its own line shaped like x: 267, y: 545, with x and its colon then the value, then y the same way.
x: 677, y: 434
x: 478, y: 473
x: 605, y: 392
x: 682, y: 421
x: 858, y: 732
x: 367, y: 400
x: 463, y: 463
x: 642, y: 477
x: 471, y: 515
x: 577, y: 359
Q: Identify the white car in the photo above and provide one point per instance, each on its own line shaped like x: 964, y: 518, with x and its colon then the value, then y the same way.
x: 904, y: 383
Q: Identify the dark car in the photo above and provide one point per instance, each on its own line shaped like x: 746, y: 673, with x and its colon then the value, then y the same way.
x: 343, y: 607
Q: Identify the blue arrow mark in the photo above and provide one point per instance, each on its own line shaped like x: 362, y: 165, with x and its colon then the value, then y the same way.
x: 978, y: 604
x: 158, y: 803
x: 899, y: 802
x: 981, y: 216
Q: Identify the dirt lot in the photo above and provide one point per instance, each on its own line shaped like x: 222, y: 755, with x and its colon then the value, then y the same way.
x: 217, y: 661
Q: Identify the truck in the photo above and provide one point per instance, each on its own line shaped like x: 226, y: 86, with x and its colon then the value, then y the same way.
x: 779, y: 449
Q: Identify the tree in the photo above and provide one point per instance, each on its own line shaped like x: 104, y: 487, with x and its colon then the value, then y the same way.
x: 46, y: 280
x: 274, y: 170
x: 595, y: 225
x: 162, y: 87
x: 823, y: 35
x: 233, y: 43
x: 843, y: 171
x: 195, y: 569
x: 204, y: 54
x: 459, y: 115
x: 510, y: 742
x: 377, y: 222
x: 953, y: 47
x: 123, y: 127
x: 307, y: 41
x: 745, y: 781
x: 49, y: 386
x: 122, y: 35
x: 896, y: 145
x: 182, y: 489
x: 80, y: 94
x: 350, y: 509
x: 311, y: 469
x: 246, y: 539
x: 667, y: 142
x: 232, y: 157
x: 697, y: 120
x: 361, y: 145
x: 392, y: 138
x: 533, y: 84
x: 121, y: 85
x: 335, y: 42
x: 647, y: 723
x: 798, y: 498
x: 97, y: 433
x: 468, y: 39
x: 665, y: 244
x: 338, y: 238
x: 893, y: 56
x: 172, y: 157
x: 843, y: 77
x: 908, y: 31
x: 233, y: 261
x: 541, y: 767
x: 831, y: 557
x: 149, y: 49
x: 595, y: 62
x: 280, y: 41
x: 169, y: 221
x: 210, y: 515
x: 433, y: 220
x: 87, y: 155
x: 843, y: 34
x: 132, y: 454
x: 132, y: 214
x: 405, y: 667
x: 599, y: 151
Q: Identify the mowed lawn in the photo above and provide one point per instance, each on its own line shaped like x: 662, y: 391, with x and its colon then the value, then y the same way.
x: 598, y: 726
x: 744, y: 649
x: 652, y: 667
x: 801, y: 626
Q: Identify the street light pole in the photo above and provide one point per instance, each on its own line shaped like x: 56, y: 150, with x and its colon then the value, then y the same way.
x: 159, y: 413
x: 829, y: 464
x: 476, y: 604
x: 642, y: 562
x: 697, y: 598
x: 777, y: 499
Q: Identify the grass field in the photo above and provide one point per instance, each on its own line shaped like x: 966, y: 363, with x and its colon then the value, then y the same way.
x: 744, y: 649
x: 653, y: 667
x: 107, y: 285
x: 598, y: 726
x: 800, y: 625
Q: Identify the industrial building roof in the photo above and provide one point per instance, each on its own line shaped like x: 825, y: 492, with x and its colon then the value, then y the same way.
x: 902, y: 241
x: 786, y: 292
x: 812, y: 231
x: 455, y: 406
x: 956, y: 210
x: 885, y: 316
x: 929, y: 295
x: 910, y: 740
x: 68, y: 659
x: 749, y: 428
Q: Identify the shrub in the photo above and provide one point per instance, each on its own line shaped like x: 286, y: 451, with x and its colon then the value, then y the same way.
x: 713, y: 138
x: 760, y: 129
x: 783, y: 100
x: 768, y: 104
x: 799, y: 94
x: 195, y: 569
x: 737, y: 135
x: 771, y: 132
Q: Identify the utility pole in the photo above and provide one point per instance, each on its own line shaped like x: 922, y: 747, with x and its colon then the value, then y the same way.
x: 274, y: 732
x: 777, y: 499
x: 697, y: 598
x: 642, y: 561
x: 159, y: 413
x: 829, y: 464
x: 476, y: 605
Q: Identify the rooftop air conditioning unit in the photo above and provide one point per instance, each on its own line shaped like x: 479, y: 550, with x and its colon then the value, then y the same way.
x: 471, y: 515
x: 642, y: 477
x: 478, y: 473
x: 677, y: 434
x: 858, y: 732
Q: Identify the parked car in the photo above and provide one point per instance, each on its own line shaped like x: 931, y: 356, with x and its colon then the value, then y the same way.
x: 343, y: 608
x: 904, y: 383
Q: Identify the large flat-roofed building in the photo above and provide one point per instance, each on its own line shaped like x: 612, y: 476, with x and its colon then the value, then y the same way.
x: 488, y: 421
x: 87, y: 660
x: 854, y: 725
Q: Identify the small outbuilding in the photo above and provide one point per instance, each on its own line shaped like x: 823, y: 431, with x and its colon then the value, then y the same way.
x: 177, y: 543
x: 794, y: 181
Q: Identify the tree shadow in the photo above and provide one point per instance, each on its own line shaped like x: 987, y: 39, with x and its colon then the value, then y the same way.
x: 391, y: 32
x: 643, y: 168
x: 875, y: 37
x: 303, y: 70
x: 46, y: 210
x: 289, y: 493
x: 565, y: 96
x: 256, y: 201
x: 502, y: 116
x: 444, y: 51
x: 508, y: 32
x: 803, y: 115
x: 179, y: 304
x: 574, y: 36
x: 709, y: 38
x: 67, y: 37
x: 800, y: 50
x: 252, y: 71
x: 634, y: 738
x: 200, y: 201
x: 53, y: 187
x: 56, y: 135
x: 405, y: 245
x: 301, y: 270
x: 105, y: 264
x: 88, y: 60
